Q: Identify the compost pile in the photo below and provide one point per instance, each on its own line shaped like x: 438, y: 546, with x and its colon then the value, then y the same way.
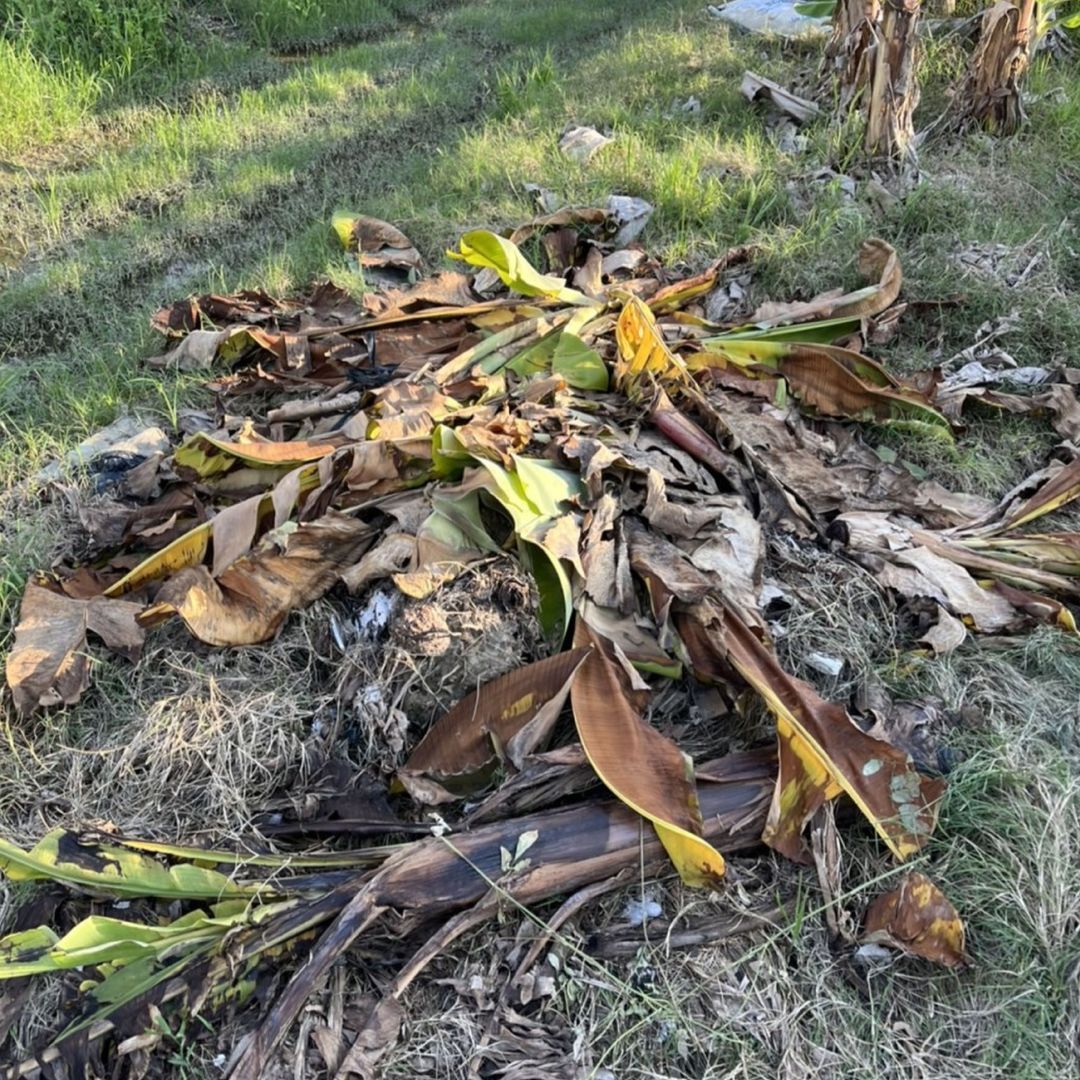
x: 587, y: 413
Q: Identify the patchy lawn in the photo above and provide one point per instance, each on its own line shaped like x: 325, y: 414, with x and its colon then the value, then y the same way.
x: 221, y: 171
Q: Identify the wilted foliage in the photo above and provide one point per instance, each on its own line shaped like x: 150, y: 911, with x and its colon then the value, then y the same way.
x: 637, y: 459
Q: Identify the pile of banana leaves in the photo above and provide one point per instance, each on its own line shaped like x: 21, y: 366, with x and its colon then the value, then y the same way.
x: 636, y: 458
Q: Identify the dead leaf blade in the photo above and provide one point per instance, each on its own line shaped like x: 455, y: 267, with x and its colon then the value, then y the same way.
x: 647, y: 771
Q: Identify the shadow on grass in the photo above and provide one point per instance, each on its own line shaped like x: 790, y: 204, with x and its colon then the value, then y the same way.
x: 432, y: 144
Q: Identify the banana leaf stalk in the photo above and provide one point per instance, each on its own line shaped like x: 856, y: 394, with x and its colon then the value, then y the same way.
x: 427, y: 880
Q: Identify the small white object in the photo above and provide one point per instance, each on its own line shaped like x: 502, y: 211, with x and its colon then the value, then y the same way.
x: 872, y: 954
x: 631, y: 214
x: 825, y: 665
x: 641, y: 911
x: 580, y: 143
x: 771, y: 593
x: 376, y: 614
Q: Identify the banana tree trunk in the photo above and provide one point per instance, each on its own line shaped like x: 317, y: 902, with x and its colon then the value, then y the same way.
x: 991, y: 93
x: 894, y: 87
x: 849, y: 54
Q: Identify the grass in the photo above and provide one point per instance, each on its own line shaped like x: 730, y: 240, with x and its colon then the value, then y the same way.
x: 143, y: 171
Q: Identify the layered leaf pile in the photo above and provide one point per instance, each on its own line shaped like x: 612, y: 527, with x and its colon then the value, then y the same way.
x: 636, y: 459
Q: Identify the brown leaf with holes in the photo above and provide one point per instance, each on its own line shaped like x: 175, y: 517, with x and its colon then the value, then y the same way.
x: 917, y: 918
x: 822, y: 751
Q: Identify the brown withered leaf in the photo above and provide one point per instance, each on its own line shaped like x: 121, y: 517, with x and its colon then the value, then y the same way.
x: 668, y: 576
x: 562, y: 539
x: 382, y: 244
x: 394, y: 554
x: 604, y: 557
x: 49, y: 663
x: 646, y: 770
x: 918, y: 564
x: 586, y: 216
x: 250, y: 600
x: 446, y: 288
x: 634, y: 635
x: 194, y: 352
x: 822, y: 751
x: 935, y: 576
x: 377, y: 1036
x: 506, y: 718
x: 946, y: 635
x: 1061, y: 486
x: 877, y: 262
x: 409, y: 347
x: 1064, y: 408
x: 917, y: 918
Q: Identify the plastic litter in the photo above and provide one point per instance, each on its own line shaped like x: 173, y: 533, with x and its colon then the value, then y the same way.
x: 777, y: 17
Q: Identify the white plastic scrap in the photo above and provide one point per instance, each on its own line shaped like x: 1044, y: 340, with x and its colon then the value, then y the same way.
x: 872, y: 954
x: 640, y: 911
x: 375, y: 617
x: 580, y: 143
x: 769, y: 17
x: 630, y: 214
x: 825, y: 665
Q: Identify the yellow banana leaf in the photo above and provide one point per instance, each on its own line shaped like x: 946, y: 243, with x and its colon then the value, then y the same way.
x: 822, y: 752
x: 645, y: 770
x: 643, y: 351
x: 485, y: 249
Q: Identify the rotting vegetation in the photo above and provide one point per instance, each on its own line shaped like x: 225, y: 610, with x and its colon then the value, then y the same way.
x: 660, y: 486
x: 991, y: 223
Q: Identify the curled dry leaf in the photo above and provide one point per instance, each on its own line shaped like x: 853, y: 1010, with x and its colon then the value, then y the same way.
x: 645, y: 770
x: 877, y: 261
x: 509, y: 717
x: 822, y: 751
x: 917, y: 918
x: 231, y: 532
x: 250, y: 600
x: 394, y: 554
x: 207, y: 456
x: 831, y: 380
x: 1061, y: 487
x: 49, y: 663
x: 378, y: 243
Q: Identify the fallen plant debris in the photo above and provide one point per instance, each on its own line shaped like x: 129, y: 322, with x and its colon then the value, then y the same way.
x: 579, y: 412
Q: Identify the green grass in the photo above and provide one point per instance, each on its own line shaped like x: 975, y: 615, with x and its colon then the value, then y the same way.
x: 140, y: 172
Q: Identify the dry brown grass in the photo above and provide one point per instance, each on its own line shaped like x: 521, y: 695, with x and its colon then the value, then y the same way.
x: 194, y: 742
x: 189, y: 742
